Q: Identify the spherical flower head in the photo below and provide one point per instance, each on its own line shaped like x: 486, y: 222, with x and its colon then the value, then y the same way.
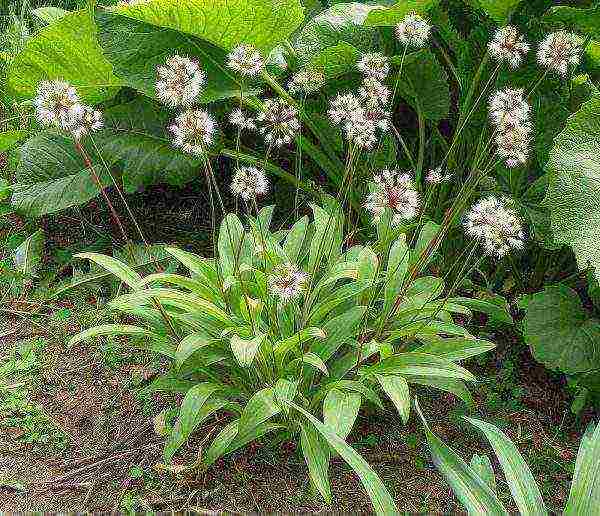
x: 242, y: 121
x: 343, y: 107
x: 513, y: 141
x: 306, y: 82
x: 278, y: 122
x: 509, y: 106
x: 495, y: 225
x: 179, y: 81
x: 413, y: 31
x: 508, y: 46
x: 249, y: 183
x: 560, y: 50
x: 194, y: 131
x: 90, y: 121
x: 246, y: 60
x: 360, y: 131
x: 436, y: 176
x: 57, y: 104
x: 287, y: 282
x: 373, y: 92
x: 395, y: 191
x: 375, y: 65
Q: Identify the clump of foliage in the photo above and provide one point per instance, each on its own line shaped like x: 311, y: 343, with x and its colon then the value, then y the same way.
x: 283, y: 328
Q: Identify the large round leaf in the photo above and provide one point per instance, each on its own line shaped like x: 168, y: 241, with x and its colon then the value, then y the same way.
x: 559, y: 332
x: 225, y: 23
x: 136, y: 48
x: 66, y: 49
x: 573, y: 196
x: 342, y: 22
x: 390, y: 16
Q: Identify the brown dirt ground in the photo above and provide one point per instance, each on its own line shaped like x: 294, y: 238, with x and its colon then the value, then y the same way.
x: 110, y: 430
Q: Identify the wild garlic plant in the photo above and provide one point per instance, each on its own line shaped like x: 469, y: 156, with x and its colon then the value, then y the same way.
x: 288, y: 333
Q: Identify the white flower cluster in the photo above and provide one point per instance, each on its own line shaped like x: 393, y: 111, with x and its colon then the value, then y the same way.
x: 242, y: 121
x: 306, y: 82
x: 179, y: 83
x: 193, y: 131
x: 436, y: 176
x: 510, y: 116
x: 495, y: 225
x: 364, y: 113
x: 249, y: 183
x: 246, y: 60
x: 287, y: 282
x: 57, y: 104
x: 560, y: 50
x: 396, y: 191
x: 508, y: 46
x: 413, y: 31
x: 278, y: 122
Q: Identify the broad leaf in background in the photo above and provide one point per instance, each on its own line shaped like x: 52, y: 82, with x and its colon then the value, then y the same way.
x: 66, y: 49
x: 137, y: 142
x: 49, y: 13
x: 336, y: 60
x: 51, y: 176
x: 424, y: 85
x: 136, y: 48
x: 390, y: 16
x: 497, y: 10
x: 226, y: 23
x: 560, y: 333
x: 28, y: 256
x: 573, y: 196
x: 9, y: 139
x: 341, y: 23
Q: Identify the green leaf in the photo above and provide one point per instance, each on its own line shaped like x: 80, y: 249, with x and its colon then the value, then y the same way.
x: 262, y: 23
x: 396, y: 388
x: 67, y: 49
x: 584, y: 496
x: 482, y: 466
x: 120, y: 269
x: 573, y: 196
x: 245, y: 350
x: 312, y: 360
x: 189, y: 345
x: 518, y: 475
x: 338, y: 331
x: 341, y: 23
x: 111, y: 329
x: 9, y: 139
x: 52, y: 176
x: 473, y: 492
x: 457, y: 348
x: 383, y: 502
x: 420, y: 364
x: 135, y: 139
x: 498, y: 10
x: 396, y: 271
x: 231, y: 245
x: 316, y: 454
x: 49, y: 13
x: 336, y: 60
x: 451, y: 385
x: 559, y: 332
x: 28, y: 256
x: 498, y: 312
x: 190, y: 415
x: 136, y: 48
x: 580, y: 20
x: 424, y: 85
x: 295, y: 239
x: 390, y: 16
x: 260, y: 408
x: 340, y: 410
